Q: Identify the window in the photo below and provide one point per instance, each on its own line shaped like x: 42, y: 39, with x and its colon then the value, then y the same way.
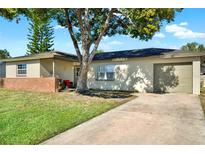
x: 106, y: 72
x: 21, y: 70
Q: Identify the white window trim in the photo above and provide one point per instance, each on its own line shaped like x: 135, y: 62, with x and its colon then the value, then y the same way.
x: 17, y: 69
x: 99, y: 71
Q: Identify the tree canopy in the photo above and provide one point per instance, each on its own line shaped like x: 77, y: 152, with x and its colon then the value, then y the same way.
x: 16, y: 13
x: 4, y: 54
x: 41, y: 35
x: 193, y: 47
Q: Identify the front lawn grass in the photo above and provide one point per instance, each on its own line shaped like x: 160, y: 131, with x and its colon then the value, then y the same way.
x: 30, y: 118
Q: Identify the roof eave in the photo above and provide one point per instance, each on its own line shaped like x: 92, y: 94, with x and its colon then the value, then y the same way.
x: 65, y: 58
x: 183, y: 54
x: 27, y: 58
x: 46, y: 56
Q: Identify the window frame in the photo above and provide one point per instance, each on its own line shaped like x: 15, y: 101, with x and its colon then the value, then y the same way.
x: 22, y: 69
x: 105, y: 72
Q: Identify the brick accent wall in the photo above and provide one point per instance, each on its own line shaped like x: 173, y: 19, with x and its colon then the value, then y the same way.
x: 49, y: 84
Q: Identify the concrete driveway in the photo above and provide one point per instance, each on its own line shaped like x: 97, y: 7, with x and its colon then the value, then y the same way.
x: 148, y: 119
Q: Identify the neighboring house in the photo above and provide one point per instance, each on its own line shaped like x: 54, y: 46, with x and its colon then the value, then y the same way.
x: 144, y: 70
x: 49, y: 64
x: 39, y: 72
x: 2, y: 69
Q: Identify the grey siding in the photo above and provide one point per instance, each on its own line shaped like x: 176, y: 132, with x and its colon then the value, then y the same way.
x: 2, y: 70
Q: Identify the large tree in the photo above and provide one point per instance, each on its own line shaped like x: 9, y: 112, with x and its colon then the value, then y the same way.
x: 87, y: 27
x: 41, y: 35
x: 4, y: 54
x: 193, y: 47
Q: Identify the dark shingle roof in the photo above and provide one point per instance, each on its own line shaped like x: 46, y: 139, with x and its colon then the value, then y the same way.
x: 132, y: 53
x: 67, y: 55
x: 100, y: 56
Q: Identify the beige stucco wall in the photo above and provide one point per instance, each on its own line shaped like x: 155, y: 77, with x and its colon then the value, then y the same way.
x: 196, y: 77
x: 33, y: 68
x: 63, y: 69
x: 43, y: 68
x: 135, y: 73
x: 46, y: 67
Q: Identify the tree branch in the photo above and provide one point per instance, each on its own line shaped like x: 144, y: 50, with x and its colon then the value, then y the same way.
x: 88, y: 26
x: 82, y: 29
x: 85, y: 29
x: 86, y: 19
x: 79, y: 16
x: 72, y: 35
x: 103, y: 30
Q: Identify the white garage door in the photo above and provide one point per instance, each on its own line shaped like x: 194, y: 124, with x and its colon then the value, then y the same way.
x: 173, y: 77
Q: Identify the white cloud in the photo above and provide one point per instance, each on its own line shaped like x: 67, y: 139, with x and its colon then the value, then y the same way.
x: 58, y: 27
x: 159, y: 35
x: 173, y: 47
x: 183, y: 24
x: 183, y: 32
x: 115, y: 43
x: 106, y: 46
x: 189, y: 34
x: 175, y: 28
x: 105, y: 38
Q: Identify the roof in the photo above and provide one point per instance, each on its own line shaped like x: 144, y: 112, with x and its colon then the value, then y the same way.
x: 147, y: 52
x: 45, y: 55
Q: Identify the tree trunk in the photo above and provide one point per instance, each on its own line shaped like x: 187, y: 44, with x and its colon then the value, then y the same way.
x: 82, y: 80
x: 85, y: 58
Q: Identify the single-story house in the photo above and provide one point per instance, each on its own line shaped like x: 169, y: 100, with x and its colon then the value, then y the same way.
x: 143, y: 70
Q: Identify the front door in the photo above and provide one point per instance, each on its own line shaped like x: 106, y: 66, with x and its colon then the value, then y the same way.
x: 76, y: 74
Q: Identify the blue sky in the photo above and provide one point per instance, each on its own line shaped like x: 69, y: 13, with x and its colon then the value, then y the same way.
x: 188, y: 26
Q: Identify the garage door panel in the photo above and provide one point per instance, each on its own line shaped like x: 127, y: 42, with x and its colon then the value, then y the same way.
x: 173, y: 77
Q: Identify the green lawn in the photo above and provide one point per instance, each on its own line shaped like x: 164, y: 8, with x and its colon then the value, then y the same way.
x: 30, y: 118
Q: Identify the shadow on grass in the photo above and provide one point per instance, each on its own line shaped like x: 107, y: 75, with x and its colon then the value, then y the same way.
x: 109, y: 94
